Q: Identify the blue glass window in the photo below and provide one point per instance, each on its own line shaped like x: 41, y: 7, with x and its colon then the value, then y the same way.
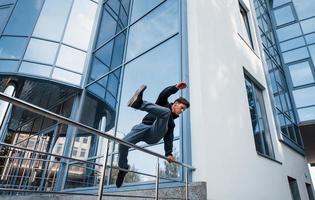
x: 107, y: 28
x: 24, y: 17
x: 312, y: 51
x: 79, y: 28
x: 113, y: 83
x: 143, y: 35
x: 288, y: 32
x: 284, y: 15
x: 12, y: 47
x: 306, y: 114
x: 97, y: 89
x: 310, y: 38
x: 304, y: 8
x: 70, y: 58
x: 277, y: 3
x: 52, y: 19
x: 301, y: 74
x: 291, y: 44
x: 8, y: 66
x: 296, y: 54
x: 35, y: 69
x: 259, y: 119
x: 4, y: 14
x: 66, y: 76
x: 308, y: 26
x: 304, y: 97
x: 41, y: 51
x: 141, y: 7
x: 112, y: 53
x: 98, y: 69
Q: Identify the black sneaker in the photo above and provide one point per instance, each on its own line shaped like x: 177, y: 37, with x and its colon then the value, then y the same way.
x: 136, y: 100
x: 120, y: 177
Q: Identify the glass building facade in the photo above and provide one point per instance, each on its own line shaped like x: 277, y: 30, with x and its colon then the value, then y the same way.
x: 83, y: 59
x: 295, y: 26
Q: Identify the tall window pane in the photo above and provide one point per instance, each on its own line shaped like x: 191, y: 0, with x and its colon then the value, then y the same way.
x: 79, y: 27
x: 4, y: 14
x: 246, y: 26
x: 52, y: 19
x: 24, y: 17
x: 12, y: 47
x: 294, y: 189
x: 154, y: 28
x: 259, y: 118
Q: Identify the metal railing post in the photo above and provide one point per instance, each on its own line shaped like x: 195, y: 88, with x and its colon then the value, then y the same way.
x: 186, y: 184
x: 157, y: 179
x: 101, y: 187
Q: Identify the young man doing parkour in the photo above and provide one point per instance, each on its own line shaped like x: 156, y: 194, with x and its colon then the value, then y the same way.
x: 157, y: 124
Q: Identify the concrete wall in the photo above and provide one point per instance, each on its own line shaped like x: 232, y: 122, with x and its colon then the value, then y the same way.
x: 223, y: 148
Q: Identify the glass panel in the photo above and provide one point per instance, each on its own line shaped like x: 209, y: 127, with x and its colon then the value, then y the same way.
x: 277, y: 3
x: 55, y: 14
x: 304, y: 8
x: 246, y: 33
x: 291, y: 44
x: 23, y: 18
x: 296, y: 54
x: 8, y: 66
x: 306, y: 114
x: 66, y: 76
x: 312, y: 51
x: 144, y: 71
x: 284, y: 15
x: 98, y: 69
x: 98, y: 89
x: 310, y: 38
x: 35, y: 69
x: 4, y: 13
x: 107, y: 28
x: 41, y: 51
x: 141, y: 7
x: 144, y: 35
x: 288, y: 32
x: 12, y: 47
x: 301, y: 74
x: 308, y: 26
x: 71, y: 58
x: 304, y: 97
x: 80, y: 24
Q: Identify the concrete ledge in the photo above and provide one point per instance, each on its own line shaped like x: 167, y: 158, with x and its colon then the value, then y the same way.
x: 197, y: 191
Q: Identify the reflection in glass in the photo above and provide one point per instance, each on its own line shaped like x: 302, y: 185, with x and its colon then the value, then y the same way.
x: 41, y: 51
x: 301, y: 74
x: 306, y: 114
x: 66, y: 76
x: 295, y: 54
x: 284, y: 15
x: 70, y: 58
x: 4, y: 13
x: 308, y: 26
x: 288, y: 32
x: 52, y: 19
x: 80, y: 24
x: 107, y: 28
x: 144, y: 71
x: 304, y: 97
x: 153, y: 28
x: 312, y: 51
x: 141, y: 7
x: 98, y: 69
x: 304, y: 8
x: 279, y: 3
x: 12, y: 47
x: 35, y: 69
x: 291, y: 44
x: 24, y: 17
x: 8, y: 66
x: 310, y: 38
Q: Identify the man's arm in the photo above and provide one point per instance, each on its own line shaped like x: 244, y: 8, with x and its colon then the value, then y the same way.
x: 168, y: 143
x: 167, y: 92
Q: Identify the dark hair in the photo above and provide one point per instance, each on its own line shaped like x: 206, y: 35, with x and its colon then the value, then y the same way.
x: 183, y: 101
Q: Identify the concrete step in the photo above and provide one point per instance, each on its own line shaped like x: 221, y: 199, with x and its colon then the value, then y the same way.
x: 197, y: 191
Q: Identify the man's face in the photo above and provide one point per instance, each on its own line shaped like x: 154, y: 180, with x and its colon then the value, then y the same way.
x: 178, y: 108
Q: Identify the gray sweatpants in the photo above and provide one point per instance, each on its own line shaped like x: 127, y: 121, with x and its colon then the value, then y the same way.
x: 150, y: 134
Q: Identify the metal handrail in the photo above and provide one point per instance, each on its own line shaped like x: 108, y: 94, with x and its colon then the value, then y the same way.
x: 101, y: 133
x: 61, y: 119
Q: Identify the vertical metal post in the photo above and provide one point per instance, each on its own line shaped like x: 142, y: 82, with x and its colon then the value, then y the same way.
x: 157, y: 179
x: 101, y: 187
x: 186, y: 184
